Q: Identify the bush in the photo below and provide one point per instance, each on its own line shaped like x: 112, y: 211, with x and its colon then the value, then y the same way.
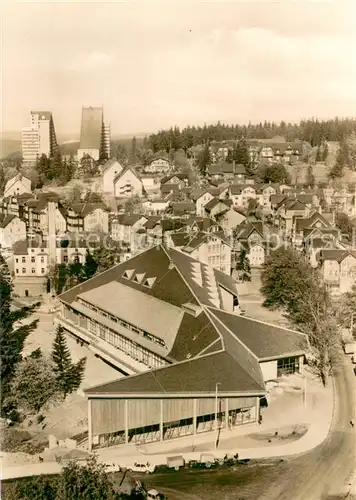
x: 13, y: 439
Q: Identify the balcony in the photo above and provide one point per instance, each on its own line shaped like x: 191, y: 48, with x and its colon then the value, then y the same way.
x: 103, y: 348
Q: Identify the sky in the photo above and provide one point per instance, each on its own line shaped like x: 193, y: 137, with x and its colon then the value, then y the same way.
x: 154, y: 64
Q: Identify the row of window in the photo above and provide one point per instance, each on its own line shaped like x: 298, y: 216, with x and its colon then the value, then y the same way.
x: 123, y: 323
x: 33, y: 270
x: 130, y: 348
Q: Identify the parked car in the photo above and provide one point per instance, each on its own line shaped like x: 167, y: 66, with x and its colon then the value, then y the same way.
x: 146, y: 468
x: 155, y: 495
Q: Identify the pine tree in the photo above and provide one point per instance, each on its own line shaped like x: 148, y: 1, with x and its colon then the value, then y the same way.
x: 90, y: 265
x: 204, y: 160
x: 56, y: 166
x: 68, y: 375
x: 243, y: 266
x: 310, y: 179
x: 133, y: 152
x: 61, y: 354
x: 325, y: 152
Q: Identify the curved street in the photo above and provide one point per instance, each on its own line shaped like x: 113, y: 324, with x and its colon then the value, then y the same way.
x: 322, y: 474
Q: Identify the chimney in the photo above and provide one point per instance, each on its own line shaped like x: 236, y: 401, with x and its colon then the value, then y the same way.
x: 52, y: 232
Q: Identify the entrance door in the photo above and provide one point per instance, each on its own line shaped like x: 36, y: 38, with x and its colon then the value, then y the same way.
x: 26, y: 293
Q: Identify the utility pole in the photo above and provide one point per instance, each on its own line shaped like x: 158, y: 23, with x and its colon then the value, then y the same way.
x: 216, y: 412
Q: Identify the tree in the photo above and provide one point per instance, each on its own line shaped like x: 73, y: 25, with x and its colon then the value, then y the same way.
x: 107, y: 255
x: 56, y: 166
x: 11, y: 340
x: 343, y: 222
x: 133, y: 151
x: 310, y: 179
x: 204, y: 160
x: 43, y: 167
x: 57, y: 276
x: 289, y: 282
x: 325, y: 152
x: 87, y: 167
x: 68, y: 375
x: 2, y: 180
x: 34, y: 384
x: 90, y: 265
x: 275, y: 174
x: 122, y: 154
x: 254, y: 209
x: 351, y: 148
x: 133, y: 205
x: 88, y: 481
x: 74, y: 195
x: 243, y: 266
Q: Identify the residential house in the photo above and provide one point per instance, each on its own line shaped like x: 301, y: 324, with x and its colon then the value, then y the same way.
x: 109, y: 171
x: 34, y: 257
x: 12, y: 229
x: 201, y: 200
x: 302, y: 226
x: 209, y: 247
x: 159, y: 165
x: 287, y: 210
x: 226, y: 171
x: 182, y: 208
x: 36, y: 214
x: 157, y: 229
x: 14, y: 205
x: 125, y: 228
x: 240, y: 194
x: 156, y: 206
x: 180, y: 179
x: 252, y: 237
x: 17, y: 185
x: 215, y: 207
x: 283, y: 152
x: 338, y: 267
x: 88, y: 218
x: 127, y: 183
x: 230, y: 219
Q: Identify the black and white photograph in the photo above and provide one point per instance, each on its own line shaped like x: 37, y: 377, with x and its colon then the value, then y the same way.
x: 178, y: 250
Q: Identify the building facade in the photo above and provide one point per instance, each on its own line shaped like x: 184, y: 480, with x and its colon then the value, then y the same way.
x: 39, y: 138
x: 193, y: 364
x: 94, y: 134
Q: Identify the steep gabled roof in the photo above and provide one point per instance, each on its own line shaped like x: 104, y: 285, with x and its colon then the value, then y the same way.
x: 336, y: 254
x: 264, y: 340
x: 6, y: 219
x: 124, y: 171
x: 197, y: 375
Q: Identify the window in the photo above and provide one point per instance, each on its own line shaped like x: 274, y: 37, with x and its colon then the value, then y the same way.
x: 33, y: 270
x: 17, y: 271
x: 17, y: 260
x: 23, y: 260
x: 23, y: 270
x: 287, y: 366
x: 42, y: 260
x: 65, y: 258
x: 42, y: 270
x: 33, y: 259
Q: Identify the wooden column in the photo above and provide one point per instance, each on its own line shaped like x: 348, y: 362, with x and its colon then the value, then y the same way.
x: 126, y: 421
x: 194, y: 416
x: 257, y: 409
x: 227, y: 413
x: 90, y: 426
x: 161, y: 421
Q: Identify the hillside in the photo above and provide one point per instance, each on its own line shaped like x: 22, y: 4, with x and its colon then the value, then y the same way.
x: 11, y: 148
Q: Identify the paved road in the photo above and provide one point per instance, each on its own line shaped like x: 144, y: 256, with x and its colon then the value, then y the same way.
x: 321, y: 474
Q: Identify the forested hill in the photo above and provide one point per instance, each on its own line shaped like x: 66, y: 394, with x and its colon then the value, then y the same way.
x: 313, y: 131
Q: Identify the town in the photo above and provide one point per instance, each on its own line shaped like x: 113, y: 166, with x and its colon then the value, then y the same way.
x: 177, y: 305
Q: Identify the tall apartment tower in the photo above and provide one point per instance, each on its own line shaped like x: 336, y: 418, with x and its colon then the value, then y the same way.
x: 94, y: 134
x: 39, y: 138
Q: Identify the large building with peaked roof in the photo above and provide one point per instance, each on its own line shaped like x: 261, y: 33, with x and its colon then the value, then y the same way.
x: 172, y: 325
